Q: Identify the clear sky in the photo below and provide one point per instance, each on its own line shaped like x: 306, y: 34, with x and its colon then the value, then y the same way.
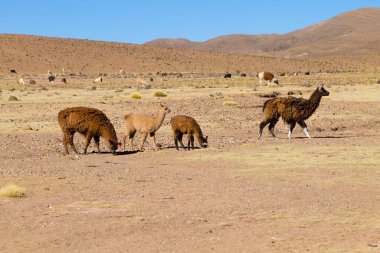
x: 139, y: 21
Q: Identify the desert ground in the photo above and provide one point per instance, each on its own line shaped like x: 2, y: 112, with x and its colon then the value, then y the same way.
x: 239, y: 195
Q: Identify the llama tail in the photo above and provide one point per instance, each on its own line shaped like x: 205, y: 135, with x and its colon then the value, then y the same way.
x: 126, y: 116
x: 266, y: 103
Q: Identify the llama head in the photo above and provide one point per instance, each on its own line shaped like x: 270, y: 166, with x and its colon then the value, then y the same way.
x: 323, y: 90
x: 113, y: 145
x: 164, y: 108
x: 276, y: 81
x: 204, y: 143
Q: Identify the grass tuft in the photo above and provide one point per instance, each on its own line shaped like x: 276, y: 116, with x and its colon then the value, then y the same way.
x: 159, y: 94
x: 136, y: 96
x: 13, y: 98
x: 12, y: 191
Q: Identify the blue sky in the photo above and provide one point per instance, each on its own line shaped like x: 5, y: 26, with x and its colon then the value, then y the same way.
x: 143, y: 20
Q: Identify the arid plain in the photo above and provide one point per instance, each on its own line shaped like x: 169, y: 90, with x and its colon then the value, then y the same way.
x: 239, y: 195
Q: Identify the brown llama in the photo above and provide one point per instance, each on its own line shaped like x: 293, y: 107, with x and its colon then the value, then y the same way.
x: 144, y: 125
x: 292, y: 110
x: 91, y: 123
x: 181, y: 125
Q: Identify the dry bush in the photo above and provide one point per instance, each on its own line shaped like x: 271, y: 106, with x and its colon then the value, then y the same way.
x: 12, y: 191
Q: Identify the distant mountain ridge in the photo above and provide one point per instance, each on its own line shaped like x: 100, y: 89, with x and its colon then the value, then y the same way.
x: 354, y: 32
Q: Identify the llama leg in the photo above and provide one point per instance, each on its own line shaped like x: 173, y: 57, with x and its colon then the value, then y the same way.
x: 176, y: 140
x: 262, y: 125
x: 124, y: 139
x: 180, y: 141
x: 272, y: 124
x: 87, y: 142
x: 70, y: 139
x: 131, y: 135
x: 188, y: 141
x: 64, y: 140
x: 192, y: 142
x: 143, y: 139
x: 291, y: 127
x: 304, y: 127
x: 97, y: 140
x: 153, y: 135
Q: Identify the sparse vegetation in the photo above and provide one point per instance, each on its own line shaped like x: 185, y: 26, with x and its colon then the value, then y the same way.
x: 12, y: 191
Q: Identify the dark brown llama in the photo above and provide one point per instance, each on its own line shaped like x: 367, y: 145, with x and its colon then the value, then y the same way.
x: 181, y: 125
x: 91, y: 123
x: 292, y: 110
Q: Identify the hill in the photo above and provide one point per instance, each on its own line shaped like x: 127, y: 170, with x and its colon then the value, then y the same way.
x: 36, y: 55
x: 350, y: 33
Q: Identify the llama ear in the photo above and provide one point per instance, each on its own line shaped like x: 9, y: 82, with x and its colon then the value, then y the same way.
x: 320, y: 86
x: 206, y: 138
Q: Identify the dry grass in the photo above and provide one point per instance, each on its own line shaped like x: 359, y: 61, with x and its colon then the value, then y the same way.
x: 12, y: 191
x: 230, y: 103
x: 136, y: 96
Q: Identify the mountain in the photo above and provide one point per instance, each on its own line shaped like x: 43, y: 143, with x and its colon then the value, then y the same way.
x: 29, y: 54
x: 354, y: 32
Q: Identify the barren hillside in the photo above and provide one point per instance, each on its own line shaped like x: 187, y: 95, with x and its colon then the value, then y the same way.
x: 35, y: 55
x: 350, y: 33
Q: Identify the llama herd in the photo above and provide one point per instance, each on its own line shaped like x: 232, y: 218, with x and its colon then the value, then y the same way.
x: 93, y: 123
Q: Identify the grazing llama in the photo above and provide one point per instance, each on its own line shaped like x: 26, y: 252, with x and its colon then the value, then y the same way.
x: 91, y: 123
x: 181, y: 125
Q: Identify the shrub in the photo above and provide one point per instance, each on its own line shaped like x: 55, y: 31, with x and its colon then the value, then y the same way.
x: 12, y: 191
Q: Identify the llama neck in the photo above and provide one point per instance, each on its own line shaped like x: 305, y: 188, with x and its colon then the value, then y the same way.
x: 159, y: 119
x: 108, y: 133
x: 199, y: 135
x: 314, y: 101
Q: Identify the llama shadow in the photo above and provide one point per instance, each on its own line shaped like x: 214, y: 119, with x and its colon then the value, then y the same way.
x: 180, y: 148
x: 325, y: 137
x: 126, y: 152
x: 116, y: 153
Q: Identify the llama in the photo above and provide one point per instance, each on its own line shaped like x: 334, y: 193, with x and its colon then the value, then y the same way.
x: 181, y: 125
x: 292, y: 110
x: 144, y: 125
x: 98, y: 80
x: 91, y: 123
x: 51, y: 79
x: 267, y: 76
x: 63, y: 80
x: 20, y: 81
x: 32, y: 82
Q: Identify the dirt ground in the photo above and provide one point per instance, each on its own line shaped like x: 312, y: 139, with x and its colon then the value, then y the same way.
x: 239, y: 195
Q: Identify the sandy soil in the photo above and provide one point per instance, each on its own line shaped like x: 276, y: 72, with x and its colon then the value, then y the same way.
x: 239, y: 195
